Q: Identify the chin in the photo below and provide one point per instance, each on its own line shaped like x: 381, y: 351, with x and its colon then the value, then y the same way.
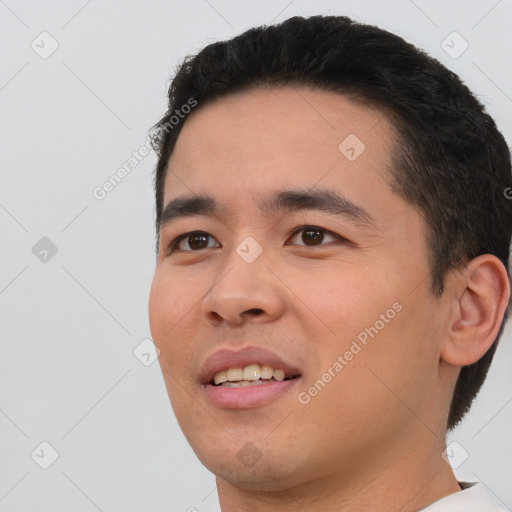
x: 250, y: 468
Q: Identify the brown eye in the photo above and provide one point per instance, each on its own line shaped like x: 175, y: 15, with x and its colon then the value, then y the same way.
x: 197, y: 241
x: 313, y: 236
x: 194, y: 241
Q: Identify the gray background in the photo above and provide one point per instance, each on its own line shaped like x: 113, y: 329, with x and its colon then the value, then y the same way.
x: 70, y: 321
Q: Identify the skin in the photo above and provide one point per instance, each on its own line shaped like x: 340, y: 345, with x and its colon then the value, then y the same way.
x: 372, y: 439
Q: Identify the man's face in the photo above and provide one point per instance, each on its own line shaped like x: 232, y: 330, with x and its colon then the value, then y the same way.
x: 347, y: 290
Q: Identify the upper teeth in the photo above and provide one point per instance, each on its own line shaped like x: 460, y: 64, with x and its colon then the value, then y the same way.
x: 251, y: 372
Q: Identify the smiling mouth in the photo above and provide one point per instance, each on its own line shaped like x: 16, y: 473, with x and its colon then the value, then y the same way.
x: 251, y: 375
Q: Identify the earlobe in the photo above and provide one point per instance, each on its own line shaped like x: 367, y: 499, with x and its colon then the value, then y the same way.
x: 481, y: 293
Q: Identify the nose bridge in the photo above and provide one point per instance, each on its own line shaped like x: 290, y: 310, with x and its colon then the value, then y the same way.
x: 245, y: 287
x: 244, y: 265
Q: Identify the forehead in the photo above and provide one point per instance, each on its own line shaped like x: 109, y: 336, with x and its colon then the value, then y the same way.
x: 248, y: 144
x: 241, y: 123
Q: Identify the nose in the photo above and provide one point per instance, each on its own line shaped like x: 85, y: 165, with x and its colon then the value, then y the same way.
x: 244, y: 292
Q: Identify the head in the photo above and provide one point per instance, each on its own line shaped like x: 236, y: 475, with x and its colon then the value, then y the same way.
x: 420, y: 263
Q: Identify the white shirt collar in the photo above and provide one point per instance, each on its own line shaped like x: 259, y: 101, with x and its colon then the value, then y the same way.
x: 473, y: 498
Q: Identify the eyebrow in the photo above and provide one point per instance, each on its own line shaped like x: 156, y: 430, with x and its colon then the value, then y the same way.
x: 281, y: 201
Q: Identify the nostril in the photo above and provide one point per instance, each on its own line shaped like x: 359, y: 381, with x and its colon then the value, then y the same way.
x: 255, y: 311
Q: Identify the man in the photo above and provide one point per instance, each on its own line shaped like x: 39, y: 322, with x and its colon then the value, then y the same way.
x: 331, y: 284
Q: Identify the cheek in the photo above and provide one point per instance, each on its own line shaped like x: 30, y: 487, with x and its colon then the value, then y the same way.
x: 398, y: 364
x: 374, y: 392
x: 173, y: 317
x: 342, y: 301
x: 169, y: 302
x: 167, y: 318
x: 379, y: 330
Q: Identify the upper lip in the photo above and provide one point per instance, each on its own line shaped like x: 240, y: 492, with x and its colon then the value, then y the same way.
x: 226, y: 358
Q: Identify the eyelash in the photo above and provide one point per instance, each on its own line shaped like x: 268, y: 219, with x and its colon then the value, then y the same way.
x: 178, y: 239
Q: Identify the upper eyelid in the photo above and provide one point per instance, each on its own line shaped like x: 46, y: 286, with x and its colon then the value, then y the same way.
x: 298, y: 229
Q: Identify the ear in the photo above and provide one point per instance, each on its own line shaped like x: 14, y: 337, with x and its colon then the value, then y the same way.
x: 479, y: 294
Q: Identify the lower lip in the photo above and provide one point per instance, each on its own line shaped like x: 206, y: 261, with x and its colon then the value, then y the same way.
x: 248, y: 396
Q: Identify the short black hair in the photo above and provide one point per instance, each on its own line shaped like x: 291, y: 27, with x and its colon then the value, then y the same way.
x: 449, y: 159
